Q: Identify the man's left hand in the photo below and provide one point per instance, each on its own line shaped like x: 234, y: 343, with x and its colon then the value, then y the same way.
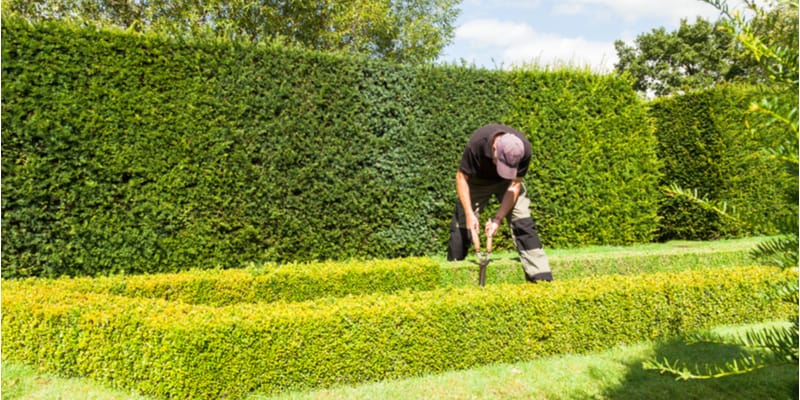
x: 491, y: 227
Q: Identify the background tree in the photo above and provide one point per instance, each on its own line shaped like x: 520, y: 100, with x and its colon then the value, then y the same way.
x: 409, y: 31
x: 694, y: 56
x: 771, y: 40
x: 700, y: 55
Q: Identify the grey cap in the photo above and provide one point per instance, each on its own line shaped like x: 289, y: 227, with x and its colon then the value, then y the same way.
x: 510, y: 151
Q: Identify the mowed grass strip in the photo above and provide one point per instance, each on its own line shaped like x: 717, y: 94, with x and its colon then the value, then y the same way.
x: 673, y: 256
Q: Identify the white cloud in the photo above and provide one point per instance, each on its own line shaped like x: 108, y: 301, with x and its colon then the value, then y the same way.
x: 520, y: 44
x: 491, y: 32
x: 553, y: 51
x: 634, y: 10
x: 556, y: 32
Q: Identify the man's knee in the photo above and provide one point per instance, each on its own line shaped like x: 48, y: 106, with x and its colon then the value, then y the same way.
x: 525, y: 235
x: 459, y: 243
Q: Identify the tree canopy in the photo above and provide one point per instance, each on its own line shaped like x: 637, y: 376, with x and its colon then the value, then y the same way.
x: 408, y: 31
x: 694, y: 56
x: 701, y: 54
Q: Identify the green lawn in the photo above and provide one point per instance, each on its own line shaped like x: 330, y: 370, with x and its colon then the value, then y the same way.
x: 592, y: 261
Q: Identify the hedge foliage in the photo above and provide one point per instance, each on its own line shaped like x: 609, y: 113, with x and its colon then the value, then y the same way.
x: 594, y: 173
x: 178, y: 350
x: 710, y: 142
x: 127, y: 153
x: 268, y: 283
x: 508, y: 269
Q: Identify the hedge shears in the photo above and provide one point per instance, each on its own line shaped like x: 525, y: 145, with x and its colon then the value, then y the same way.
x: 483, y: 258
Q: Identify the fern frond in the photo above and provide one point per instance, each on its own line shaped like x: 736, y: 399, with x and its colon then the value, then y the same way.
x: 736, y: 366
x: 766, y: 347
x: 694, y: 197
x: 782, y: 342
x: 780, y: 252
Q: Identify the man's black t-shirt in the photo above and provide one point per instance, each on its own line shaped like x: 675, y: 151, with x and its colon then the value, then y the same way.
x: 477, y: 158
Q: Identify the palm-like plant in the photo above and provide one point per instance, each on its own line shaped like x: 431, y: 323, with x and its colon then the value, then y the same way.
x: 778, y: 345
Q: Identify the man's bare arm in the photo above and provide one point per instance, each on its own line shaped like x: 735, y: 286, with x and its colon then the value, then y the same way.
x: 506, y: 205
x: 462, y: 188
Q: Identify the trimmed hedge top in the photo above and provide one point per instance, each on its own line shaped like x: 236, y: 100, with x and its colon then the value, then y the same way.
x: 289, y: 282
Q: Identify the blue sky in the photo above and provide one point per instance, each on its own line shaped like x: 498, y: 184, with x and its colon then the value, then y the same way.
x: 551, y: 33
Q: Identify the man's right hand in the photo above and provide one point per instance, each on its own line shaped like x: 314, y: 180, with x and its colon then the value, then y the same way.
x: 473, y: 224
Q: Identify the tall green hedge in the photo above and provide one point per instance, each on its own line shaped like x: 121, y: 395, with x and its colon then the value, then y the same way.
x: 137, y: 153
x: 710, y: 143
x: 594, y: 172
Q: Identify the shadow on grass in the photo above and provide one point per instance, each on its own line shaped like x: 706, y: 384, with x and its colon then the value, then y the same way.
x: 773, y: 382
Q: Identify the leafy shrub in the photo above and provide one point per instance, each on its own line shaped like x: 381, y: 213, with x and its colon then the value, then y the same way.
x: 178, y: 350
x: 270, y: 283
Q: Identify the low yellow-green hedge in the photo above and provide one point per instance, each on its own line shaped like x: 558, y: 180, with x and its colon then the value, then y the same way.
x: 289, y: 282
x: 177, y: 350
